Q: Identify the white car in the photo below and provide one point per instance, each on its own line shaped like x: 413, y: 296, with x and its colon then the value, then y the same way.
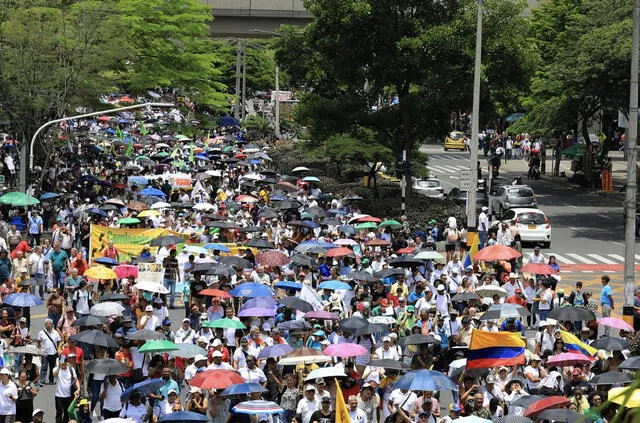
x: 428, y: 187
x: 532, y: 224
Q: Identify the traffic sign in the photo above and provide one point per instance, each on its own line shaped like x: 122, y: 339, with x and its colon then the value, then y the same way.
x: 465, y: 179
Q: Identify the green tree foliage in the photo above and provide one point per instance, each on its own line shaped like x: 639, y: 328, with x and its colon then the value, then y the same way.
x: 257, y: 128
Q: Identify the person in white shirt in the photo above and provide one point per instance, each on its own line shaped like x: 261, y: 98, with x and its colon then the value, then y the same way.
x: 48, y: 340
x: 504, y: 235
x: 240, y: 354
x: 148, y: 320
x: 308, y: 405
x: 134, y: 409
x: 218, y: 364
x: 186, y: 335
x: 199, y: 362
x: 8, y: 397
x: 385, y: 351
x: 67, y: 388
x: 355, y: 414
x: 251, y: 373
x: 110, y: 397
x: 81, y: 300
x: 536, y: 256
x: 401, y: 398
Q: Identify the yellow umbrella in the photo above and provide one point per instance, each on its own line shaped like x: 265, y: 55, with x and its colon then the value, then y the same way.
x: 148, y: 213
x: 625, y: 396
x: 100, y: 272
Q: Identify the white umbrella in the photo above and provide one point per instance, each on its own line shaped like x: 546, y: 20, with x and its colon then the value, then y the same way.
x: 151, y: 286
x: 306, y: 359
x: 251, y: 150
x: 162, y: 145
x: 217, y: 173
x: 204, y: 206
x: 160, y: 205
x: 107, y: 309
x: 488, y: 291
x: 345, y: 241
x: 300, y: 169
x: 325, y: 372
x: 383, y: 320
x: 428, y: 255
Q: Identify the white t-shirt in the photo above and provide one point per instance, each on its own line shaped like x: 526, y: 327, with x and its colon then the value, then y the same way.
x: 65, y: 377
x: 391, y: 353
x: 221, y: 366
x: 151, y: 322
x: 189, y: 372
x: 81, y: 297
x: 398, y: 398
x: 48, y: 347
x: 306, y: 408
x: 112, y: 401
x: 185, y: 336
x: 240, y: 357
x: 529, y: 370
x: 133, y: 412
x: 253, y: 376
x: 358, y: 416
x: 7, y: 406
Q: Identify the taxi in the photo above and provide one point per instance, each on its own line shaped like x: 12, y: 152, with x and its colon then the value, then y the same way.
x: 455, y: 140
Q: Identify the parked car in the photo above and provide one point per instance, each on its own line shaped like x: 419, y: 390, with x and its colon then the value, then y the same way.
x: 460, y: 197
x: 455, y: 140
x: 532, y: 224
x: 509, y: 196
x: 429, y: 187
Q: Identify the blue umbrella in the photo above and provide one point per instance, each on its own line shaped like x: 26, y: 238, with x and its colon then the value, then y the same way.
x: 97, y: 211
x: 48, y: 195
x: 244, y: 388
x: 252, y: 290
x: 288, y: 285
x: 334, y: 285
x: 264, y: 302
x: 153, y: 192
x: 277, y: 198
x: 109, y: 131
x: 107, y: 260
x: 255, y: 161
x: 184, y: 417
x: 294, y: 325
x: 277, y: 350
x: 21, y: 299
x: 426, y: 380
x: 310, y: 179
x: 217, y: 247
x: 227, y: 121
x: 145, y: 388
x: 347, y: 229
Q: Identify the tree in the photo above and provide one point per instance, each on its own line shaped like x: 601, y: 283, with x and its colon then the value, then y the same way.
x: 257, y: 128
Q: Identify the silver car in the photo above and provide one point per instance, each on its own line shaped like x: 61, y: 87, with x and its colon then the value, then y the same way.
x: 428, y: 187
x: 512, y: 196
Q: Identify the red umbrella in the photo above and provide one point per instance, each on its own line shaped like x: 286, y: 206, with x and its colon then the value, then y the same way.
x: 339, y: 252
x: 568, y: 359
x: 538, y: 269
x: 377, y: 243
x: 538, y: 407
x: 125, y: 99
x: 103, y: 118
x: 369, y: 219
x: 246, y: 199
x: 272, y: 258
x: 406, y: 250
x: 125, y: 271
x: 211, y: 292
x: 286, y: 186
x: 496, y: 252
x: 216, y: 379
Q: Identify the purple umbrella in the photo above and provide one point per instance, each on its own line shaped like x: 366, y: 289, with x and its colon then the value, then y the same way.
x: 276, y: 350
x: 257, y: 312
x: 264, y: 302
x: 321, y: 315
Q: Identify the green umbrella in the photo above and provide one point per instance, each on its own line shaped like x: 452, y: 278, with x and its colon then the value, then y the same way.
x: 18, y: 199
x: 391, y: 223
x: 162, y: 154
x: 223, y: 323
x: 128, y: 221
x: 367, y: 225
x: 576, y: 150
x: 142, y: 158
x: 157, y: 346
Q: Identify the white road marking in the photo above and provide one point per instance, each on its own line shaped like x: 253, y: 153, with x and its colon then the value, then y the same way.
x: 580, y: 258
x: 619, y: 243
x: 562, y: 259
x: 604, y: 216
x: 602, y: 259
x: 617, y: 257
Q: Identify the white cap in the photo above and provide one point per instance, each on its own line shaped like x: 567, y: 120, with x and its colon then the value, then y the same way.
x: 5, y: 371
x: 386, y: 339
x: 325, y: 342
x: 201, y: 339
x: 216, y: 354
x: 440, y: 287
x: 148, y: 308
x: 552, y: 322
x: 199, y: 357
x: 36, y: 411
x: 310, y: 388
x: 217, y: 342
x: 194, y: 389
x: 542, y: 323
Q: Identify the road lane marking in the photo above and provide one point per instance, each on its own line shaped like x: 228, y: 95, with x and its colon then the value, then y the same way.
x: 562, y: 259
x: 580, y: 258
x: 619, y: 243
x: 604, y: 216
x: 616, y: 256
x: 602, y: 259
x: 571, y: 205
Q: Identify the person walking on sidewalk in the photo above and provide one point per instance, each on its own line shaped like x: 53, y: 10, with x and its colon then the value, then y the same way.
x: 606, y: 300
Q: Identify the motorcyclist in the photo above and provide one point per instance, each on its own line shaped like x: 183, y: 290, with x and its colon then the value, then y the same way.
x: 495, y: 160
x: 534, y: 161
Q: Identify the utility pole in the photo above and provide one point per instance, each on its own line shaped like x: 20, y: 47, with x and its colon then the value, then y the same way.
x: 632, y: 188
x: 277, y: 117
x: 236, y: 112
x: 244, y: 79
x: 472, y: 225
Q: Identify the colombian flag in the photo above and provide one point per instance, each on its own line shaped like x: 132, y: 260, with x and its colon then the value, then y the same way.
x: 473, y: 238
x: 573, y: 344
x: 489, y: 349
x: 342, y: 413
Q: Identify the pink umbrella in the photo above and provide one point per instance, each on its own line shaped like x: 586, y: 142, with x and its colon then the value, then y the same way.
x: 568, y: 359
x: 346, y: 349
x: 321, y: 315
x: 125, y: 271
x: 614, y: 322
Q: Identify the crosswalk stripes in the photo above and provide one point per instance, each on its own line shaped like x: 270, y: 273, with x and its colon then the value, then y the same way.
x: 602, y: 259
x: 581, y: 258
x: 446, y: 169
x: 575, y: 259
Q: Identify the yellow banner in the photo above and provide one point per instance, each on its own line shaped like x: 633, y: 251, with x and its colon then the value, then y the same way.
x: 342, y: 412
x: 128, y: 242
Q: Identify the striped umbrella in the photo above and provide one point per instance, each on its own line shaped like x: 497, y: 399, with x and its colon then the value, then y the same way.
x: 257, y: 407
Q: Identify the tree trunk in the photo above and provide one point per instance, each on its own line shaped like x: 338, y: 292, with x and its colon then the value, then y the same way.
x: 588, y: 157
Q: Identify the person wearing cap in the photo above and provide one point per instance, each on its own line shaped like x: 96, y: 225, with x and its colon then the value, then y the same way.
x: 148, y: 320
x: 38, y: 267
x: 545, y: 338
x: 110, y: 394
x: 8, y: 396
x: 81, y: 414
x: 169, y: 385
x: 534, y: 373
x: 386, y: 351
x: 135, y: 410
x: 308, y: 404
x: 252, y: 373
x: 217, y: 363
x: 170, y: 404
x: 196, y: 401
x: 37, y: 416
x: 369, y: 403
x: 240, y: 354
x: 454, y: 414
x: 81, y: 300
x: 159, y: 309
x: 48, y: 340
x: 67, y: 388
x: 324, y: 414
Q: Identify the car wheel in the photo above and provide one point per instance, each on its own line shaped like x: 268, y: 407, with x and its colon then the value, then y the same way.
x: 446, y: 149
x: 546, y: 244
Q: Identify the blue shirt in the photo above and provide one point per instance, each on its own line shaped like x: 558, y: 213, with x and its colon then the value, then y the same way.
x: 34, y: 224
x: 164, y: 389
x: 605, y: 296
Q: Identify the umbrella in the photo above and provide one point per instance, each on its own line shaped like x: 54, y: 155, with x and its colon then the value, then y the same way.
x: 572, y: 313
x: 465, y: 296
x: 366, y: 225
x: 385, y: 273
x: 204, y: 206
x: 488, y: 291
x: 21, y: 299
x: 257, y: 312
x: 387, y: 363
x: 538, y: 269
x: 18, y: 199
x: 513, y: 419
x: 496, y: 252
x: 349, y: 241
x: 217, y: 247
x: 125, y: 271
x: 257, y: 407
x: 151, y: 286
x: 25, y: 349
x: 276, y: 350
x: 334, y: 285
x: 303, y: 260
x: 418, y: 339
x: 625, y: 396
x: 184, y: 417
x: 303, y: 356
x: 252, y: 290
x: 272, y: 258
x: 106, y: 261
x: 362, y: 276
x: 160, y: 205
x: 216, y: 379
x: 504, y: 311
x: 300, y: 169
x: 369, y: 330
x: 346, y: 349
x: 610, y: 378
x: 144, y: 335
x: 426, y: 380
x: 288, y: 285
x: 609, y: 343
x: 146, y: 387
x: 224, y: 323
x: 107, y: 309
x: 563, y: 415
x: 568, y: 359
x: 310, y: 179
x: 526, y: 400
x: 394, y: 224
x: 614, y: 322
x: 296, y: 303
x: 189, y: 351
x: 195, y: 249
x: 339, y: 252
x: 321, y: 315
x: 88, y: 321
x: 157, y: 346
x: 236, y: 262
x: 97, y: 211
x: 428, y: 255
x: 539, y: 406
x: 153, y: 192
x: 352, y: 324
x: 49, y: 195
x: 100, y: 272
x: 383, y: 320
x: 107, y: 366
x: 166, y: 241
x: 406, y: 261
x: 138, y: 206
x: 631, y: 363
x: 95, y: 337
x: 295, y: 325
x: 243, y: 388
x: 347, y: 229
x: 260, y: 243
x: 211, y: 292
x: 128, y: 221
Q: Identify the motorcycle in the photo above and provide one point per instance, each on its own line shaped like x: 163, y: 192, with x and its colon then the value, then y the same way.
x: 535, y: 172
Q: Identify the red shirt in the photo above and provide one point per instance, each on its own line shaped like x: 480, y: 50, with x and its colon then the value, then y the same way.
x: 77, y: 351
x: 516, y: 299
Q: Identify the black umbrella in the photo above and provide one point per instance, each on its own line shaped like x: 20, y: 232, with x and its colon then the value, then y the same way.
x: 388, y: 363
x: 316, y: 211
x: 251, y: 229
x: 95, y: 337
x: 385, y: 273
x: 287, y: 205
x: 369, y: 330
x: 143, y: 260
x: 213, y: 217
x: 330, y: 222
x: 235, y: 261
x: 178, y: 205
x: 269, y: 214
x: 260, y: 243
x: 296, y: 303
x: 513, y: 419
x: 88, y: 321
x: 418, y: 338
x: 220, y: 270
x: 572, y: 313
x: 631, y: 363
x: 202, y: 268
x: 294, y: 325
x: 347, y: 229
x: 114, y: 296
x: 108, y: 207
x: 465, y: 296
x: 609, y: 343
x: 107, y: 366
x: 406, y: 262
x: 362, y: 276
x: 526, y: 400
x: 610, y: 378
x: 351, y: 324
x: 563, y: 415
x: 223, y: 225
x: 303, y: 260
x: 144, y: 335
x: 166, y: 240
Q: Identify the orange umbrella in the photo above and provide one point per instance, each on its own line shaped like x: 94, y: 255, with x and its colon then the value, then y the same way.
x: 496, y: 252
x: 406, y: 250
x: 339, y: 252
x: 538, y: 269
x: 538, y: 407
x: 377, y: 243
x: 211, y: 292
x: 369, y: 219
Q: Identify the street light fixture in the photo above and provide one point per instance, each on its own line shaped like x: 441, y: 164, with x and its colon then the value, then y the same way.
x: 277, y: 105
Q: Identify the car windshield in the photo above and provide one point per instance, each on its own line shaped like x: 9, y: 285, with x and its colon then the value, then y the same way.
x: 520, y: 192
x: 456, y: 136
x: 531, y: 218
x: 428, y: 184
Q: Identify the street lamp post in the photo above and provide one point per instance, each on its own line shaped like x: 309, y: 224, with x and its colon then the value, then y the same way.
x: 23, y: 156
x: 277, y: 100
x: 236, y: 111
